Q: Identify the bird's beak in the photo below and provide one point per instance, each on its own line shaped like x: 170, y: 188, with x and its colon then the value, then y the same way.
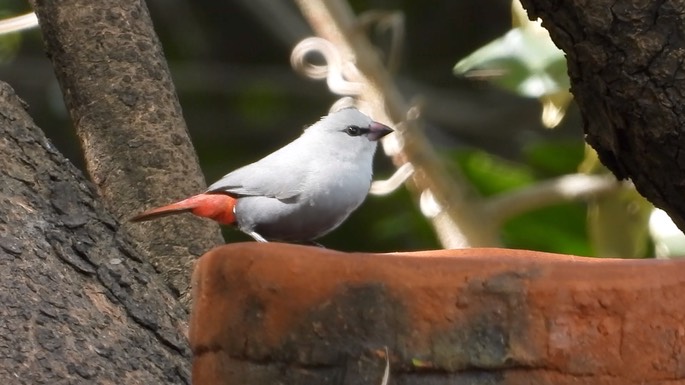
x: 378, y: 130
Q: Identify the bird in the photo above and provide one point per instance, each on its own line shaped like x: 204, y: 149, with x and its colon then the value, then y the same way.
x: 301, y: 191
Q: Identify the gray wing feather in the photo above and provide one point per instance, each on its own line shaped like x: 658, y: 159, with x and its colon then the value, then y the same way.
x: 273, y: 176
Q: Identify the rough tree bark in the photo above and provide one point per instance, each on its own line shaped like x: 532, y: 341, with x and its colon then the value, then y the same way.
x: 118, y: 90
x: 77, y: 303
x: 625, y: 63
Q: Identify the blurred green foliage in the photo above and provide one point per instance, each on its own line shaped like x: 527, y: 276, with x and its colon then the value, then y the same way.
x: 523, y: 61
x: 9, y: 43
x: 526, y: 61
x: 559, y: 228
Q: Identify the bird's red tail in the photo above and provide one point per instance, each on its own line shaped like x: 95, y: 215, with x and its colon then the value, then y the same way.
x: 218, y: 207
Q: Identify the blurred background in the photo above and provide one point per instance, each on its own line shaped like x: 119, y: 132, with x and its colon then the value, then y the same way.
x: 494, y: 99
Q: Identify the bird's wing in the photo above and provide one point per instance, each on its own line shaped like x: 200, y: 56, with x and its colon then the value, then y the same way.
x: 279, y: 175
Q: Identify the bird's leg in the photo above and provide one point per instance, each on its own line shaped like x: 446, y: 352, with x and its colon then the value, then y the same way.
x: 257, y: 237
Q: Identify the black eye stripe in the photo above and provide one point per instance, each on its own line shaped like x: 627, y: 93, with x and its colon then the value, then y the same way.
x: 355, y: 130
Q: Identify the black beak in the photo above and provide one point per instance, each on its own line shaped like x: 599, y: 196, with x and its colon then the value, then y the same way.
x: 378, y: 130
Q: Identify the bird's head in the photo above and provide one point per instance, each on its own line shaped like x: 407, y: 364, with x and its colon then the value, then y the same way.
x: 350, y: 130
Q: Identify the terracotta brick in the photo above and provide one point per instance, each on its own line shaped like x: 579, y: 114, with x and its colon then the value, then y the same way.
x: 275, y: 313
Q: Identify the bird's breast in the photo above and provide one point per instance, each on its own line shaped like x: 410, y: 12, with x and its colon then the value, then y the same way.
x: 347, y: 182
x: 329, y: 195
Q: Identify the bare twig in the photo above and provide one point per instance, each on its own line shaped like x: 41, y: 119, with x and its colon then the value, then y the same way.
x: 18, y: 23
x: 460, y: 221
x: 386, y: 372
x: 385, y: 187
x: 565, y: 188
x: 392, y: 22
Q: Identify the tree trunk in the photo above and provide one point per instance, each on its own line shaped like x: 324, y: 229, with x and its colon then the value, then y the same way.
x: 77, y: 303
x: 118, y: 90
x: 625, y: 64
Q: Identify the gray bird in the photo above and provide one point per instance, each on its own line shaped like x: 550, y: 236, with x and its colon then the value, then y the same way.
x: 299, y: 192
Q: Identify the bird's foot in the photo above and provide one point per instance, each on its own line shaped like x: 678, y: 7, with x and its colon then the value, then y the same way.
x: 257, y: 237
x: 313, y: 243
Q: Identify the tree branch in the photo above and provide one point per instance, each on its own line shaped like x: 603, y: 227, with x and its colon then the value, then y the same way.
x: 18, y: 23
x: 562, y: 189
x: 118, y: 90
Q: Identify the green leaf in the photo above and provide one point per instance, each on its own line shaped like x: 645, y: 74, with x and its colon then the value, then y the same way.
x: 9, y: 43
x: 524, y: 61
x: 556, y: 229
x: 490, y: 174
x: 618, y: 225
x: 555, y: 158
x: 560, y: 228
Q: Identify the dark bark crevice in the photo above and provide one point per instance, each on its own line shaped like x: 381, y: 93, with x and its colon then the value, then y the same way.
x: 78, y: 303
x: 625, y: 64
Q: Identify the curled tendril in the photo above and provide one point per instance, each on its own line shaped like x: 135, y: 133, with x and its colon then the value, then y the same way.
x: 343, y: 78
x: 385, y: 187
x: 341, y: 75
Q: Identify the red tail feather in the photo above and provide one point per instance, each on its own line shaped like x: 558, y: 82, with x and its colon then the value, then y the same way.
x: 218, y: 207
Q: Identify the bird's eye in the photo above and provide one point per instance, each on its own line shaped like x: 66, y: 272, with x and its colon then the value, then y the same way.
x: 353, y: 131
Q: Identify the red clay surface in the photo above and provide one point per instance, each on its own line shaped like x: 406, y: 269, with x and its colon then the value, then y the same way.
x: 265, y: 313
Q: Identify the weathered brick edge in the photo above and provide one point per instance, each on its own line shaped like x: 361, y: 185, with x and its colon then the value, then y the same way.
x: 276, y: 313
